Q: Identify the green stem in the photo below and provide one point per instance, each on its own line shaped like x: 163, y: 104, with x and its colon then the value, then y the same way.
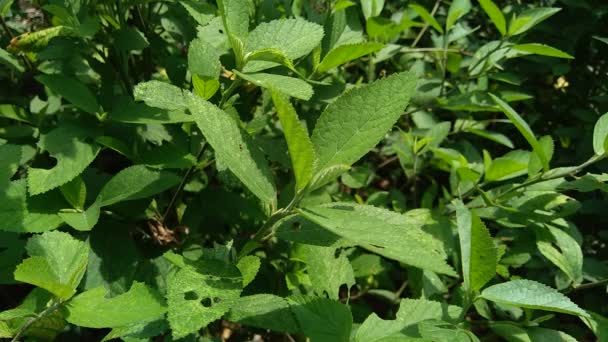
x: 226, y: 95
x: 183, y: 183
x: 35, y: 319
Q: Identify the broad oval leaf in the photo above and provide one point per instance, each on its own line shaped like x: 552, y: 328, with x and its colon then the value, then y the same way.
x: 346, y: 53
x: 160, y: 95
x: 93, y: 310
x: 57, y: 263
x: 355, y: 122
x: 600, y: 135
x: 72, y: 90
x: 135, y: 182
x: 392, y: 235
x: 533, y: 295
x: 294, y: 37
x: 290, y: 86
x: 234, y: 147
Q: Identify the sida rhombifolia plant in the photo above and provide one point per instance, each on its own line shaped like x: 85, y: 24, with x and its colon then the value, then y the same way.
x: 183, y: 291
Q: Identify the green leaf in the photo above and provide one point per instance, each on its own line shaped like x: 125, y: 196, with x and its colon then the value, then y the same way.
x: 321, y: 319
x: 201, y: 12
x: 392, y: 235
x: 326, y: 271
x: 346, y: 53
x: 160, y: 95
x: 458, y: 9
x: 129, y: 39
x: 524, y: 129
x: 427, y: 17
x: 234, y: 147
x: 532, y: 295
x: 205, y: 88
x: 371, y: 8
x: 289, y: 86
x: 356, y: 121
x: 264, y: 311
x: 93, y: 309
x: 568, y: 255
x: 199, y: 295
x: 541, y: 49
x: 600, y: 135
x: 136, y: 182
x: 11, y: 61
x: 512, y: 164
x: 300, y: 147
x: 534, y: 164
x: 266, y: 58
x: 75, y: 192
x: 530, y: 18
x: 601, y: 39
x: 204, y: 60
x: 139, y: 113
x: 327, y: 175
x: 235, y: 16
x: 410, y: 313
x: 494, y: 136
x: 294, y: 37
x: 83, y: 220
x: 495, y: 14
x: 72, y: 90
x: 73, y: 154
x: 249, y: 267
x: 11, y: 254
x: 138, y: 331
x: 477, y: 250
x: 57, y: 263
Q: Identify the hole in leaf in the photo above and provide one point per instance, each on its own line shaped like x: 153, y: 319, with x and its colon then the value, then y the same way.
x: 296, y: 226
x: 206, y: 302
x: 190, y: 295
x: 217, y: 300
x: 221, y: 31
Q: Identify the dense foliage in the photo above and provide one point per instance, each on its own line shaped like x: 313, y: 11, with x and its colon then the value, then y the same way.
x: 330, y: 170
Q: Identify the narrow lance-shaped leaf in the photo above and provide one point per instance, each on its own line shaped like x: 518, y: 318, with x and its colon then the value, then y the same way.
x: 530, y: 18
x: 427, y: 17
x: 477, y: 250
x: 457, y: 10
x: 300, y: 147
x: 234, y: 147
x: 541, y: 49
x: 355, y: 122
x: 533, y: 295
x: 524, y: 129
x: 493, y: 11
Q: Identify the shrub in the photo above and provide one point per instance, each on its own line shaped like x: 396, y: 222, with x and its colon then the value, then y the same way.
x: 322, y: 170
